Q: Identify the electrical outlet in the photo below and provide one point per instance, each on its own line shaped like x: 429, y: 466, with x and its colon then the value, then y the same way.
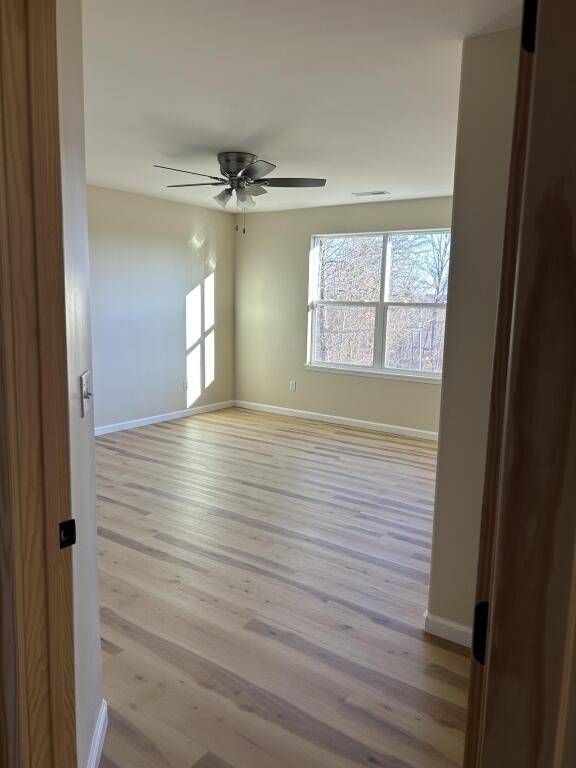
x: 185, y: 385
x: 292, y: 386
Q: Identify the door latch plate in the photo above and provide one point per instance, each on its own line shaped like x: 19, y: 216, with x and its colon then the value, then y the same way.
x: 67, y: 533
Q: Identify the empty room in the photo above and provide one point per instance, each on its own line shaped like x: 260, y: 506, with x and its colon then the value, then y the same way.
x: 281, y: 237
x: 287, y: 384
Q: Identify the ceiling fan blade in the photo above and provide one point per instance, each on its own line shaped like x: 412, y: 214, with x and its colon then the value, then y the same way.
x: 258, y: 169
x: 294, y: 182
x: 179, y: 170
x: 256, y: 189
x: 201, y: 184
x: 223, y: 197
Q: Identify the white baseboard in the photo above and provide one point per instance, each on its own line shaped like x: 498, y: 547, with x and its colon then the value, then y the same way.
x: 448, y: 630
x: 162, y: 417
x: 99, y: 737
x: 346, y: 422
x: 390, y: 429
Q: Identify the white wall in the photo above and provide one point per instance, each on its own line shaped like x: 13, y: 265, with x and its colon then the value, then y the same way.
x: 85, y: 568
x: 146, y: 256
x: 487, y: 98
x: 271, y: 315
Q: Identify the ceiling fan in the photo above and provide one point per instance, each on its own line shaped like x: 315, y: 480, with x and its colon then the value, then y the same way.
x: 243, y: 173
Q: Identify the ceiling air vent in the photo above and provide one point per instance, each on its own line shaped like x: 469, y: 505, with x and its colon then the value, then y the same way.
x: 371, y: 194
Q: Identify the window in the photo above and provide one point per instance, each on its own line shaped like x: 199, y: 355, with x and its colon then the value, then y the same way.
x: 378, y: 302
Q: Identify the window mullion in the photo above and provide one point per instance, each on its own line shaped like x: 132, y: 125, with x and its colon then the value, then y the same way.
x: 380, y: 341
x: 417, y: 304
x: 384, y: 275
x: 312, y: 354
x: 384, y: 333
x: 378, y: 335
x: 343, y: 303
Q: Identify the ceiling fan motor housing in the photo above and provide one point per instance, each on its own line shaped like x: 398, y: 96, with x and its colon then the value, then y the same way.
x: 231, y: 163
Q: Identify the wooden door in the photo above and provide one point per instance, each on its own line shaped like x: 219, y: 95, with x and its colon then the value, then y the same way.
x: 523, y: 701
x: 37, y: 708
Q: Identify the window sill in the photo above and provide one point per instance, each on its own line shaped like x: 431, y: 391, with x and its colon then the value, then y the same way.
x: 396, y: 375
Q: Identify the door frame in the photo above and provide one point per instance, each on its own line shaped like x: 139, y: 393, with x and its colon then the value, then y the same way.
x: 523, y: 698
x: 37, y: 693
x: 496, y: 417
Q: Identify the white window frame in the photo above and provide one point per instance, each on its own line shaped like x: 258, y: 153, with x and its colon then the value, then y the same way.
x: 378, y: 367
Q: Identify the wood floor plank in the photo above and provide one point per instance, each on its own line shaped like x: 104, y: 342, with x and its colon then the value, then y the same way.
x: 263, y: 581
x: 266, y: 705
x: 440, y: 710
x: 329, y: 625
x: 211, y: 761
x: 135, y: 740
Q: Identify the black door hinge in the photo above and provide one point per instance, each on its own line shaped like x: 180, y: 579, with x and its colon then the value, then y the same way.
x: 529, y: 25
x: 67, y: 533
x: 480, y: 635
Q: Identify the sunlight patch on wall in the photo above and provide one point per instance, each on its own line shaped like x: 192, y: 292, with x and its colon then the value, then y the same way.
x: 209, y: 302
x: 198, y: 239
x: 193, y: 316
x: 193, y: 376
x: 209, y: 360
x: 200, y: 339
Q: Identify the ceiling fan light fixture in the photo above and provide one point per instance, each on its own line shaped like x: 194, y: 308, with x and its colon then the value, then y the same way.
x: 223, y: 197
x: 244, y: 199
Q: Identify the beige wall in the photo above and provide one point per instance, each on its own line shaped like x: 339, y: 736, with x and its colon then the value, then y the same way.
x: 488, y: 86
x: 271, y: 315
x: 146, y: 255
x: 85, y: 569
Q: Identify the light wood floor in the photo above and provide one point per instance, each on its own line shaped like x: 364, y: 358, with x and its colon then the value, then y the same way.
x: 263, y: 581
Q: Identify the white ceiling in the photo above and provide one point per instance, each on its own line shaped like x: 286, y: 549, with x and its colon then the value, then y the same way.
x: 361, y: 92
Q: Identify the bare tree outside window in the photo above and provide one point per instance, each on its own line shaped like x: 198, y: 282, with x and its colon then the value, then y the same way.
x: 415, y: 339
x: 350, y: 268
x: 380, y: 301
x: 345, y: 335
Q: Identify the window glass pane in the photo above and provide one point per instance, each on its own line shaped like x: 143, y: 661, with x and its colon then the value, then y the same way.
x: 415, y: 339
x: 418, y: 266
x: 345, y: 335
x: 350, y: 268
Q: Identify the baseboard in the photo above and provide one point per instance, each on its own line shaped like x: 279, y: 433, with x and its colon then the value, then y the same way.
x: 448, y: 630
x: 390, y: 429
x: 162, y: 417
x: 99, y: 737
